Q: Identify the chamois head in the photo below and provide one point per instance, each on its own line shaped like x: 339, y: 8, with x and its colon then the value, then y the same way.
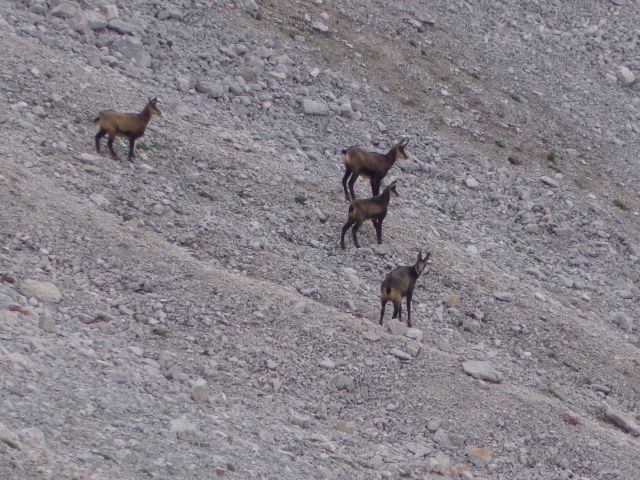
x: 392, y: 189
x: 153, y: 106
x: 400, y: 149
x: 421, y: 263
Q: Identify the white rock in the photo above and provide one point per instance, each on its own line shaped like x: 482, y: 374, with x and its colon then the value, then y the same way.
x: 471, y: 183
x: 312, y: 107
x: 44, y: 291
x: 396, y: 327
x: 482, y: 371
x: 200, y: 391
x: 625, y: 76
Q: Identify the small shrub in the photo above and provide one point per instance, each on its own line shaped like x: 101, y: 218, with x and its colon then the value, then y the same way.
x: 231, y: 467
x: 10, y: 443
x: 514, y: 160
x: 161, y: 332
x: 552, y: 157
x: 141, y: 145
x: 300, y: 199
x: 206, y: 195
x: 620, y: 204
x: 501, y: 144
x: 178, y: 224
x: 516, y: 98
x: 127, y: 217
x: 552, y: 355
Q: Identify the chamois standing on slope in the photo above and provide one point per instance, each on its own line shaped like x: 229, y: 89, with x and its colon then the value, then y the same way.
x: 374, y: 209
x: 375, y: 166
x: 130, y: 125
x: 399, y: 283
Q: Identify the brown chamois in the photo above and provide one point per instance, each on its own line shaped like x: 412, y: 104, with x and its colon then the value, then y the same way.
x: 374, y: 209
x: 400, y: 283
x: 372, y: 165
x: 130, y: 125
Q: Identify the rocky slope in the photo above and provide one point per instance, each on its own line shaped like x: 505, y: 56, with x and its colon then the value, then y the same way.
x: 191, y: 315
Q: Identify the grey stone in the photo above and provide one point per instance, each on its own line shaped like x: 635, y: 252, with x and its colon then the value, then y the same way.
x: 210, y: 88
x: 396, y: 327
x: 133, y: 50
x: 46, y: 323
x: 549, y: 181
x: 344, y: 382
x: 414, y: 333
x: 120, y: 26
x: 320, y: 27
x: 95, y: 21
x: 623, y: 321
x: 471, y: 183
x: 400, y: 354
x: 65, y: 10
x: 482, y: 370
x: 312, y: 107
x: 42, y: 290
x: 327, y: 363
x: 448, y: 440
x: 625, y: 76
x: 170, y: 13
x: 200, y: 391
x: 503, y: 296
x: 622, y: 420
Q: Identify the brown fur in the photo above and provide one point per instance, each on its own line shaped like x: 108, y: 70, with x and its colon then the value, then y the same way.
x: 399, y: 283
x: 372, y: 165
x: 374, y: 209
x: 130, y: 125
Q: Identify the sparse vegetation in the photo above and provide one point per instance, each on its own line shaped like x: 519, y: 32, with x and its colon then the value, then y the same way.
x: 501, y: 144
x: 514, y: 160
x: 516, y: 98
x: 620, y: 204
x: 141, y: 145
x: 552, y: 157
x: 127, y: 217
x: 300, y: 199
x: 231, y: 467
x: 451, y: 213
x: 554, y: 393
x: 206, y: 195
x: 552, y: 355
x: 161, y: 332
x: 10, y: 443
x: 178, y: 224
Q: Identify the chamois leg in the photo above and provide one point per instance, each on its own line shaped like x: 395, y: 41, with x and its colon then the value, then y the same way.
x: 352, y: 181
x: 344, y: 231
x: 99, y: 135
x: 384, y: 304
x: 378, y: 224
x: 375, y: 186
x: 132, y: 141
x: 397, y: 309
x: 110, y: 146
x: 354, y: 232
x: 409, y: 295
x: 344, y: 184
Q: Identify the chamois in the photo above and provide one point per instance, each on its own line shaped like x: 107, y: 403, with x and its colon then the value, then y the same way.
x: 372, y: 165
x: 130, y: 125
x: 399, y: 283
x: 374, y: 209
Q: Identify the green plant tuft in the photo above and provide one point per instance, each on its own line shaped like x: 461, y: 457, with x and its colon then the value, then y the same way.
x: 206, y: 195
x: 620, y: 204
x: 161, y: 332
x: 300, y: 199
x: 127, y: 217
